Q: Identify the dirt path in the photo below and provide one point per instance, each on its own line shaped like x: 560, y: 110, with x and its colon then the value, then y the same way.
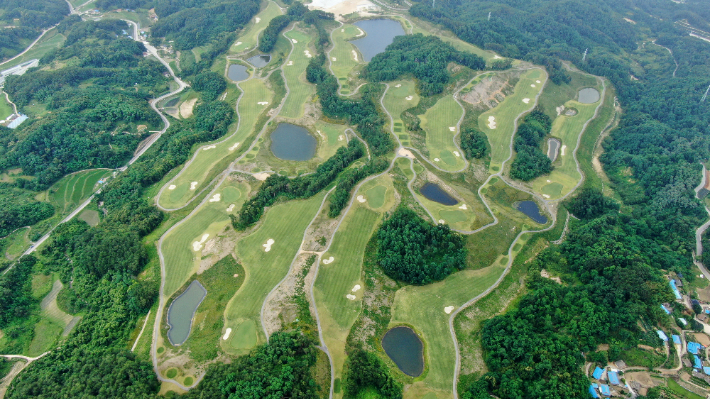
x: 16, y: 369
x: 672, y: 56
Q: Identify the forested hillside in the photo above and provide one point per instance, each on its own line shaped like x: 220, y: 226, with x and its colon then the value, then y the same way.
x: 23, y: 21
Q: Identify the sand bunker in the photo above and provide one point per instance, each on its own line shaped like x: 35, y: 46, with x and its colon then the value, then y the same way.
x: 452, y: 128
x: 548, y: 180
x: 457, y: 153
x: 226, y: 334
x: 545, y: 196
x: 263, y: 103
x: 172, y: 187
x: 289, y: 63
x: 351, y: 297
x: 294, y: 41
x: 538, y: 81
x: 186, y: 108
x: 442, y: 221
x: 449, y: 309
x: 267, y: 246
x: 398, y: 85
x: 562, y: 150
x: 361, y: 198
x: 464, y: 207
x: 209, y: 147
x: 234, y: 147
x: 307, y: 53
x: 216, y: 198
x: 491, y: 122
x: 328, y: 261
x: 193, y: 185
x: 437, y: 159
x: 405, y: 153
x: 197, y: 245
x: 526, y: 100
x: 356, y: 288
x: 335, y: 59
x: 409, y: 98
x: 355, y: 55
x: 237, y: 43
x: 261, y: 176
x: 341, y: 138
x: 257, y: 20
x: 532, y: 85
x: 497, y: 57
x: 231, y: 208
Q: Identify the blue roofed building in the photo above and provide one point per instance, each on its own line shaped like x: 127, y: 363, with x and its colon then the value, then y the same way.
x: 676, y: 339
x: 605, y: 390
x: 665, y: 310
x: 675, y: 290
x: 697, y: 363
x: 597, y: 374
x: 662, y: 335
x: 706, y: 370
x: 694, y: 348
x: 613, y: 378
x: 593, y: 392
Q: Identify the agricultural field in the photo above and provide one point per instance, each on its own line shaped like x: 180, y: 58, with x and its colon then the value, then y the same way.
x: 300, y: 91
x: 441, y: 125
x: 499, y: 123
x: 72, y: 190
x: 249, y: 39
x: 400, y: 96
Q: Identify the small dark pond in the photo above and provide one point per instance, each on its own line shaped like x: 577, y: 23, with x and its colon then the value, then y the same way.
x: 435, y: 193
x: 379, y: 34
x: 237, y: 72
x: 293, y: 143
x: 182, y: 310
x: 259, y: 61
x: 553, y: 147
x: 405, y: 349
x: 530, y: 209
x: 588, y: 95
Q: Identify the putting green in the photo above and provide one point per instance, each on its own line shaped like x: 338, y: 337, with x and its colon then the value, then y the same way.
x: 440, y: 123
x: 244, y: 337
x: 300, y: 91
x: 248, y: 38
x: 564, y: 177
x: 181, y: 258
x: 506, y: 112
x: 330, y: 138
x: 453, y: 216
x: 284, y: 224
x: 345, y: 53
x: 376, y: 196
x: 400, y: 96
x: 210, y: 159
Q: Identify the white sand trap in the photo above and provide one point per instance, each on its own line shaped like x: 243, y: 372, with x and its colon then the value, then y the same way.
x: 342, y: 30
x: 257, y: 20
x: 361, y: 199
x: 562, y: 150
x: 226, y: 334
x: 409, y: 98
x: 267, y: 246
x: 491, y: 122
x: 526, y: 100
x: 398, y: 85
x: 341, y: 138
x: 449, y: 309
x: 237, y: 43
x: 362, y: 33
x: 216, y: 198
x: 457, y: 153
x: 234, y: 147
x: 328, y: 261
x: 289, y: 63
x: 442, y: 221
x: 549, y: 181
x: 497, y: 57
x: 538, y: 81
x: 231, y: 208
x: 452, y: 128
x: 335, y: 59
x: 356, y: 288
x: 532, y: 85
x: 209, y: 147
x: 351, y: 297
x: 464, y: 207
x: 263, y: 103
x: 236, y: 275
x: 307, y: 53
x: 193, y: 185
x: 294, y: 41
x: 437, y: 159
x: 405, y: 153
x: 197, y: 245
x: 545, y: 196
x: 172, y: 187
x: 261, y: 176
x: 355, y: 55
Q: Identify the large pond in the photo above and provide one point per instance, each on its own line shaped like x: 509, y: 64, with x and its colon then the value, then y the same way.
x: 259, y: 61
x: 237, y: 72
x: 531, y: 210
x: 553, y: 147
x: 405, y: 349
x: 292, y: 143
x: 379, y: 34
x: 588, y: 95
x: 435, y: 193
x: 182, y: 310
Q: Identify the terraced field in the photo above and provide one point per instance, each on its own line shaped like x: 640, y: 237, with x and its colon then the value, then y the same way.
x: 73, y: 189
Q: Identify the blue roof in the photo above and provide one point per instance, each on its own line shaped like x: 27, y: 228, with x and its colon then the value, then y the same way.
x: 605, y: 390
x: 662, y: 335
x: 593, y: 392
x: 697, y: 363
x: 706, y: 370
x: 597, y: 374
x: 676, y: 339
x: 595, y: 385
x: 694, y: 347
x: 675, y: 290
x: 614, y: 377
x: 665, y: 310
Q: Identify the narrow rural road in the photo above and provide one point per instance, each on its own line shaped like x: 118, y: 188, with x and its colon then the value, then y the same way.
x: 28, y: 47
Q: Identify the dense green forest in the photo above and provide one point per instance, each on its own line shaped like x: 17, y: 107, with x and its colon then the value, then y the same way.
x: 530, y: 162
x: 24, y: 21
x: 18, y: 208
x: 412, y: 250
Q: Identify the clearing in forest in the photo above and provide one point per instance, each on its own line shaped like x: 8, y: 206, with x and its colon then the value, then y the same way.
x: 300, y: 91
x: 249, y: 38
x: 213, y: 158
x: 400, y: 96
x: 499, y: 123
x: 441, y: 125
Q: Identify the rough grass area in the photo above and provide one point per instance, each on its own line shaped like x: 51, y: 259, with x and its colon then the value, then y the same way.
x: 212, y: 160
x: 438, y: 122
x: 5, y: 107
x: 643, y: 358
x: 506, y: 112
x: 90, y: 216
x: 72, y: 190
x: 300, y: 91
x: 52, y: 40
x: 248, y: 38
x: 284, y: 224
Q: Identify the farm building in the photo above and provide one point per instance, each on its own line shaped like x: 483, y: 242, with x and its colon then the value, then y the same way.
x: 665, y: 309
x: 614, y: 378
x: 605, y: 390
x: 593, y: 391
x: 662, y: 335
x: 675, y: 290
x: 676, y: 339
x: 697, y: 363
x: 694, y: 347
x: 706, y: 370
x: 598, y: 372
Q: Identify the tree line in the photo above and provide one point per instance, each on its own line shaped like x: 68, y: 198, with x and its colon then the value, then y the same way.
x: 530, y: 162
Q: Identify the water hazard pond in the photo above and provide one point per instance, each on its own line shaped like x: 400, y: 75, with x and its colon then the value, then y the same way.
x: 380, y: 34
x: 531, y: 210
x: 588, y: 95
x: 292, y: 143
x: 182, y: 310
x: 435, y: 193
x: 406, y: 350
x: 237, y: 72
x: 259, y: 61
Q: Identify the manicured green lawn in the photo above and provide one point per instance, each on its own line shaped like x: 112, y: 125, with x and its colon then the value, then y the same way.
x: 300, y: 91
x: 440, y: 123
x: 397, y: 100
x: 248, y: 39
x: 346, y: 55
